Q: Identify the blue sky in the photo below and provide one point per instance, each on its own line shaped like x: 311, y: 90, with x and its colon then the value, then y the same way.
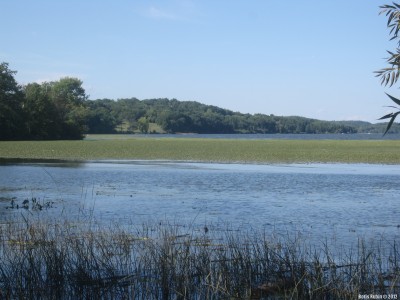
x: 313, y: 58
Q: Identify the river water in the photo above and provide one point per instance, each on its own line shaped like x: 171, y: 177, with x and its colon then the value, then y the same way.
x: 340, y: 202
x: 260, y: 136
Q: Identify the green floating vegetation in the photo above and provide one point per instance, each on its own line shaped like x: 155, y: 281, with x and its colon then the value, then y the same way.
x: 207, y: 150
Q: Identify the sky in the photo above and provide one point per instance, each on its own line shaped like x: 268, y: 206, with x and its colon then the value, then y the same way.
x: 311, y: 58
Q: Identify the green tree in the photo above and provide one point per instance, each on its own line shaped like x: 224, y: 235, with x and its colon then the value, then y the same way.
x: 100, y: 118
x: 143, y: 125
x: 68, y: 97
x: 55, y: 110
x: 390, y: 75
x: 40, y: 113
x: 11, y: 102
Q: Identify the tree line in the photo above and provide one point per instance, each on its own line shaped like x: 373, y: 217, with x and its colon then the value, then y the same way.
x: 61, y: 110
x: 51, y: 110
x: 173, y: 116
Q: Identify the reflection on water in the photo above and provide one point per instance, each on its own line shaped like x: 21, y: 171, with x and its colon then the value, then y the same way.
x: 338, y: 201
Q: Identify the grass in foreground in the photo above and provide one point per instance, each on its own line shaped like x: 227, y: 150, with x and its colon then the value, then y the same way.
x: 62, y: 261
x: 209, y: 150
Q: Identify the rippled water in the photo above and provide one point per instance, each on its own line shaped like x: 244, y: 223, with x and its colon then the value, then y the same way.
x: 335, y: 201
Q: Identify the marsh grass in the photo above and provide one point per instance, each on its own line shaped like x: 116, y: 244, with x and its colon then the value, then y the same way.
x: 209, y: 150
x: 45, y: 260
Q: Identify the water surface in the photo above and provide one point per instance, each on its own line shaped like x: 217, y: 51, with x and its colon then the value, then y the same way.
x: 259, y: 136
x: 319, y: 201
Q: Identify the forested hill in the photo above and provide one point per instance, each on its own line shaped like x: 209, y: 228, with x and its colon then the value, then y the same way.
x: 173, y: 116
x: 61, y: 110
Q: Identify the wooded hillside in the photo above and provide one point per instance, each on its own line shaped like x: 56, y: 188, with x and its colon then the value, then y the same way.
x: 173, y: 116
x: 61, y: 110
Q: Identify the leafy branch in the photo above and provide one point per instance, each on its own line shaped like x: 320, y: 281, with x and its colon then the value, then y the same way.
x: 391, y: 116
x: 390, y: 75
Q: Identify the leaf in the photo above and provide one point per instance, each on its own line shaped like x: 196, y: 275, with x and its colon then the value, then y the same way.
x: 389, y: 20
x: 389, y: 125
x: 393, y: 78
x: 391, y: 122
x: 395, y: 100
x: 386, y: 116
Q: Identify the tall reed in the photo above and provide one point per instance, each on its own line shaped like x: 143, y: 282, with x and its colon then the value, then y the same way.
x: 49, y: 260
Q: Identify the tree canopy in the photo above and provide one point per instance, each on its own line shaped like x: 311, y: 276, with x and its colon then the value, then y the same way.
x: 55, y: 110
x: 61, y: 110
x: 173, y: 116
x: 51, y: 110
x: 11, y: 104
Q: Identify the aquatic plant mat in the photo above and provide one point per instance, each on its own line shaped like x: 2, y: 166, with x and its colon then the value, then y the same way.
x: 209, y: 150
x: 69, y: 260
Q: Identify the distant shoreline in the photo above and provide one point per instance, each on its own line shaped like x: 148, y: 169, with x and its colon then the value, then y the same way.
x: 252, y: 136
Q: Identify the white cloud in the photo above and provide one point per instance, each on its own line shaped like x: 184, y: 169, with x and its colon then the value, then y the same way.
x: 157, y: 13
x: 52, y: 77
x: 40, y: 77
x: 174, y: 10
